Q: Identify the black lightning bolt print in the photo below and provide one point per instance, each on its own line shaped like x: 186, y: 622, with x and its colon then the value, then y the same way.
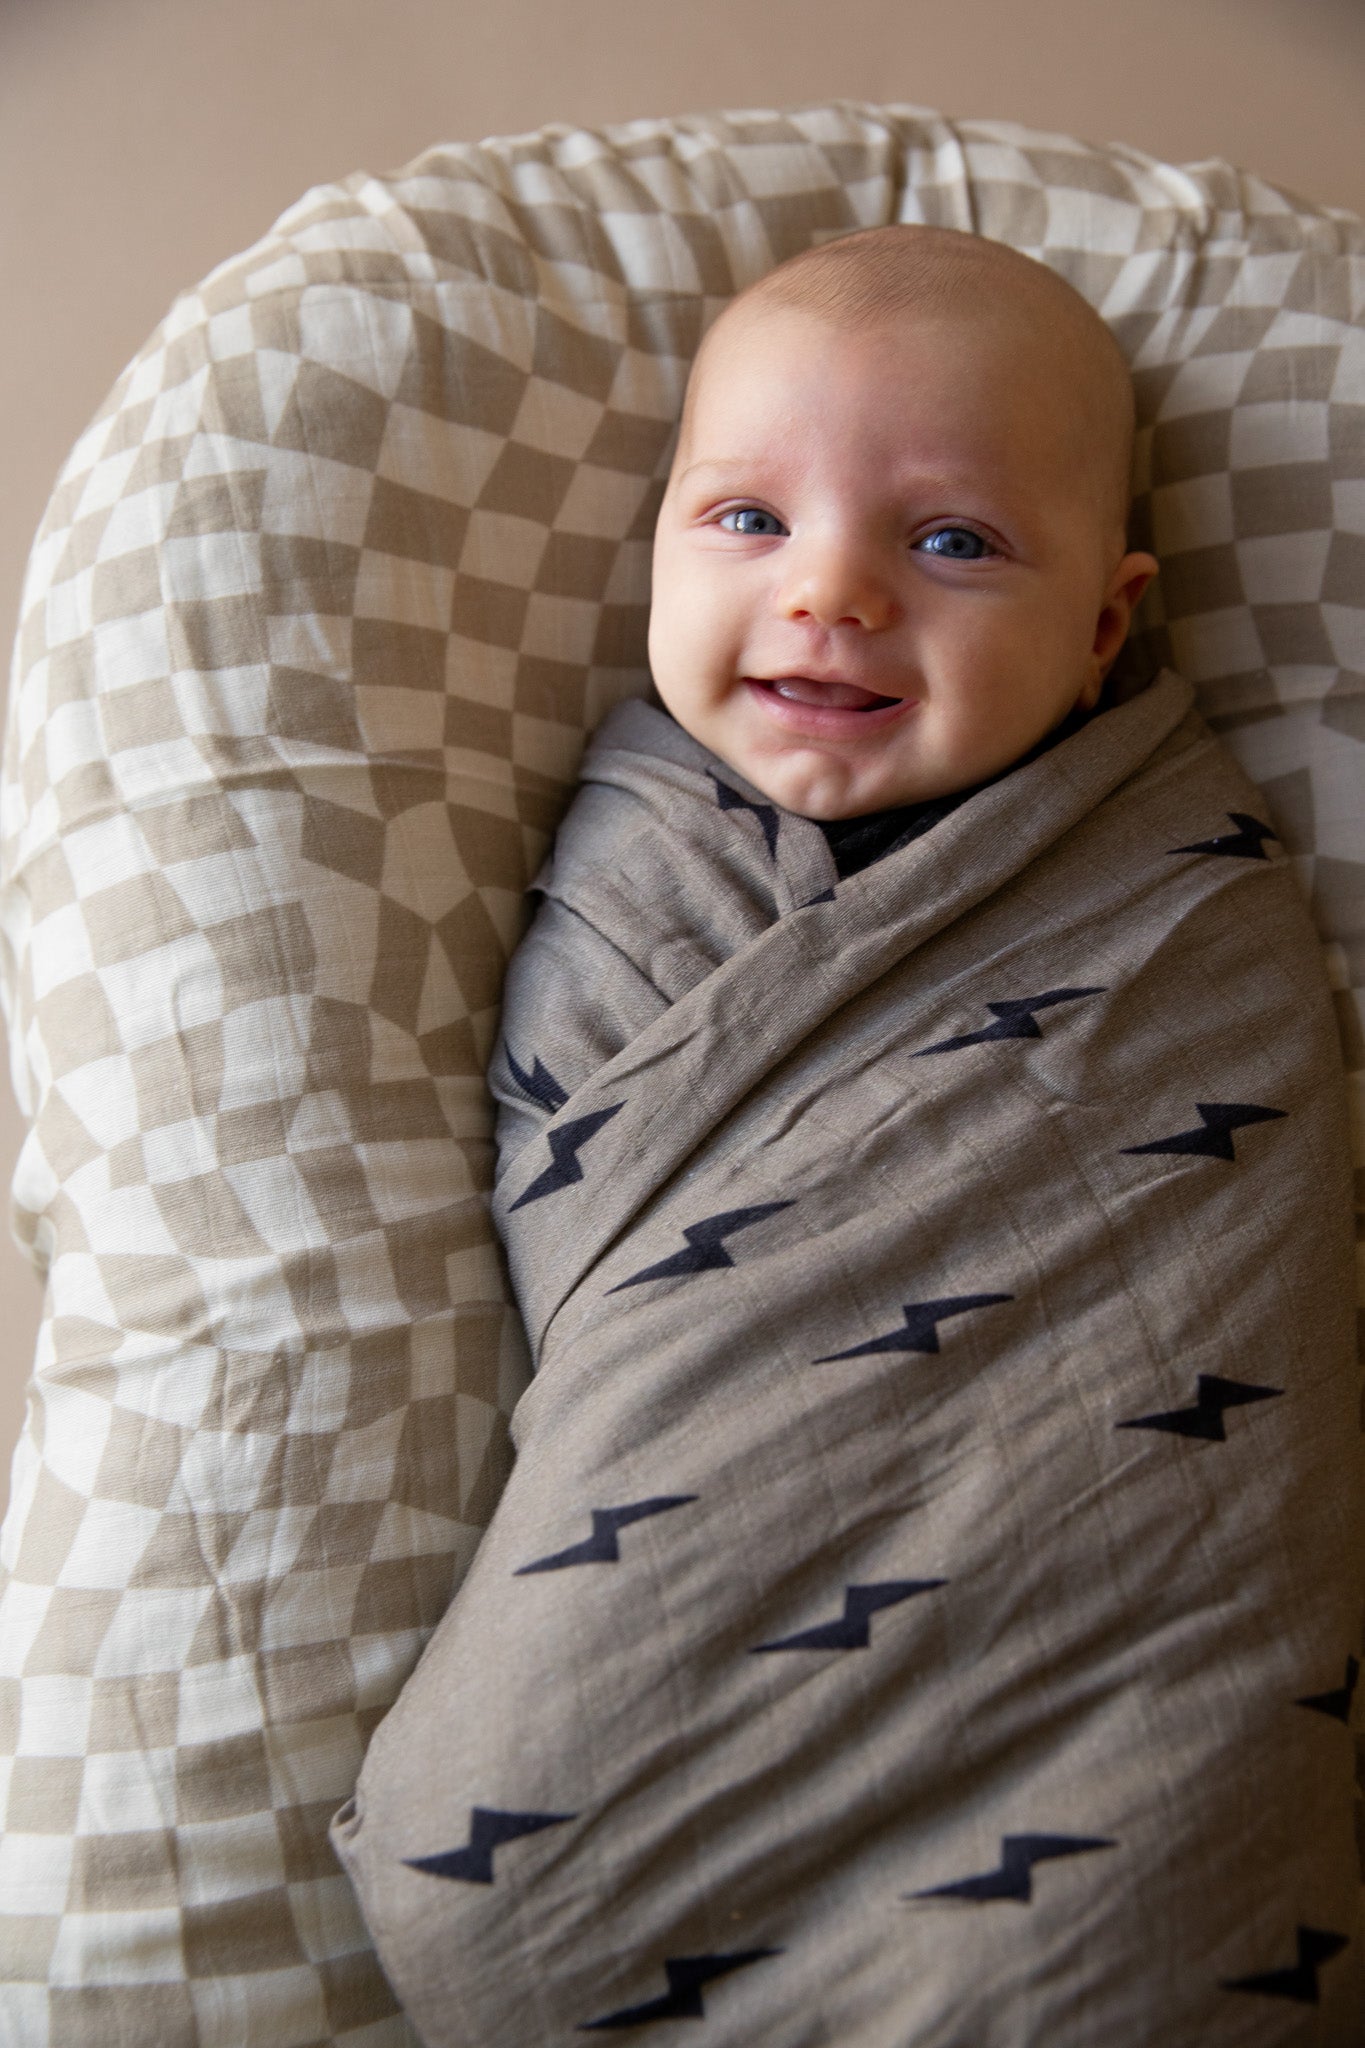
x: 853, y: 1631
x: 565, y: 1145
x: 489, y: 1828
x: 731, y: 800
x: 1300, y: 1981
x: 1014, y: 1878
x: 920, y: 1330
x: 1213, y: 1139
x: 540, y: 1084
x: 1246, y: 843
x: 601, y: 1547
x: 1338, y: 1702
x: 705, y: 1250
x: 682, y: 2001
x: 1205, y: 1419
x: 1014, y: 1019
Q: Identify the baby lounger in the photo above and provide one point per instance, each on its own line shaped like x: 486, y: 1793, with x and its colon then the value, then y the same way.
x: 326, y: 603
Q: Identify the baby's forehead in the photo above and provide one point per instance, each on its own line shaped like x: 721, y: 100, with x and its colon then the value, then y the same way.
x: 1026, y: 341
x: 1001, y: 355
x: 786, y: 325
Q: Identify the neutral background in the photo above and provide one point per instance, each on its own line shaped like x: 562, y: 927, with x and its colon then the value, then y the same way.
x: 142, y: 141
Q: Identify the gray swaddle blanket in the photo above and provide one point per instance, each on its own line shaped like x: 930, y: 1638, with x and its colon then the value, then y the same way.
x: 925, y: 1604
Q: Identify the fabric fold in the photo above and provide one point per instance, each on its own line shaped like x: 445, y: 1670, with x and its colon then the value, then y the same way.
x: 909, y: 1614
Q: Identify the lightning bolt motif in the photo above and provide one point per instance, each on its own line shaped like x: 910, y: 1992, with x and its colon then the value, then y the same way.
x: 601, y: 1547
x: 1300, y: 1981
x: 1243, y: 844
x: 920, y: 1331
x: 682, y: 2001
x: 1014, y: 1878
x: 1205, y: 1419
x: 705, y: 1248
x: 731, y: 800
x: 1213, y: 1140
x: 1014, y: 1019
x: 489, y: 1828
x: 540, y: 1084
x: 853, y: 1631
x: 565, y: 1145
x: 1338, y: 1702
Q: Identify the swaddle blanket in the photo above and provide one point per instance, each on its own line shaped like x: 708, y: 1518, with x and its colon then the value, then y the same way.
x: 923, y: 1608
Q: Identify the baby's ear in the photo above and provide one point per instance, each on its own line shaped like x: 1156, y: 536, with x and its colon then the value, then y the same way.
x: 1130, y: 578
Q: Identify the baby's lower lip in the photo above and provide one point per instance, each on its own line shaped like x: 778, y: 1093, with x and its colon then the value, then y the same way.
x: 824, y: 710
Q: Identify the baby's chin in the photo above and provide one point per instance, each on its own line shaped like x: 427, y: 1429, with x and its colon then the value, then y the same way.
x: 827, y: 792
x: 813, y: 782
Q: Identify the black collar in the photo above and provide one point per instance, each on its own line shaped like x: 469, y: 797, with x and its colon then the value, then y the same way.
x: 857, y: 842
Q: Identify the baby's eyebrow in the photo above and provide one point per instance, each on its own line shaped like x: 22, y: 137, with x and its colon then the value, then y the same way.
x: 946, y: 481
x: 722, y: 465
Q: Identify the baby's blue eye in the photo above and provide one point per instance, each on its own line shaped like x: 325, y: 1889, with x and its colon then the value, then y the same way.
x: 751, y: 520
x: 955, y: 544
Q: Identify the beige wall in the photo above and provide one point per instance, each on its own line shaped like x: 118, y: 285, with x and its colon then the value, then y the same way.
x: 143, y: 140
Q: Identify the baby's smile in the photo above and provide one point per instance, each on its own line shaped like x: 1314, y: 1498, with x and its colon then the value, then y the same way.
x: 824, y: 707
x: 884, y: 569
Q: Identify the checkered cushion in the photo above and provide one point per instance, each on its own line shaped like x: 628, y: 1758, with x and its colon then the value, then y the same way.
x: 325, y: 602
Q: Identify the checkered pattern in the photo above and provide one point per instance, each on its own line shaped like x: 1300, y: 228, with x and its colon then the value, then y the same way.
x: 325, y: 602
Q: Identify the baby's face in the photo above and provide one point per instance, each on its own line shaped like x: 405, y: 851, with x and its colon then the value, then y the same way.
x: 883, y: 569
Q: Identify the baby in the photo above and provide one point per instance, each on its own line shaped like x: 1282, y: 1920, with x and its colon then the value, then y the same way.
x: 890, y: 564
x: 925, y: 1601
x: 891, y: 555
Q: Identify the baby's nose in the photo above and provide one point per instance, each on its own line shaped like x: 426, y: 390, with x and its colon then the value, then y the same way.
x: 837, y: 585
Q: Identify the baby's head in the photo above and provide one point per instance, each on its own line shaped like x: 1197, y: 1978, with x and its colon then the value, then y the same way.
x: 892, y: 554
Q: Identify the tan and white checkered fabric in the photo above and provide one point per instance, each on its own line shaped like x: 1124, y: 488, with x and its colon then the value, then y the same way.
x: 325, y: 601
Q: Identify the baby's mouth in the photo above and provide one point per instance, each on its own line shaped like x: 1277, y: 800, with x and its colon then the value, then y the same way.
x: 826, y: 696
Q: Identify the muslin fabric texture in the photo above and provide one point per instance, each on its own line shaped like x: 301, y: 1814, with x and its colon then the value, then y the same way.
x: 917, y: 1591
x: 326, y: 601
